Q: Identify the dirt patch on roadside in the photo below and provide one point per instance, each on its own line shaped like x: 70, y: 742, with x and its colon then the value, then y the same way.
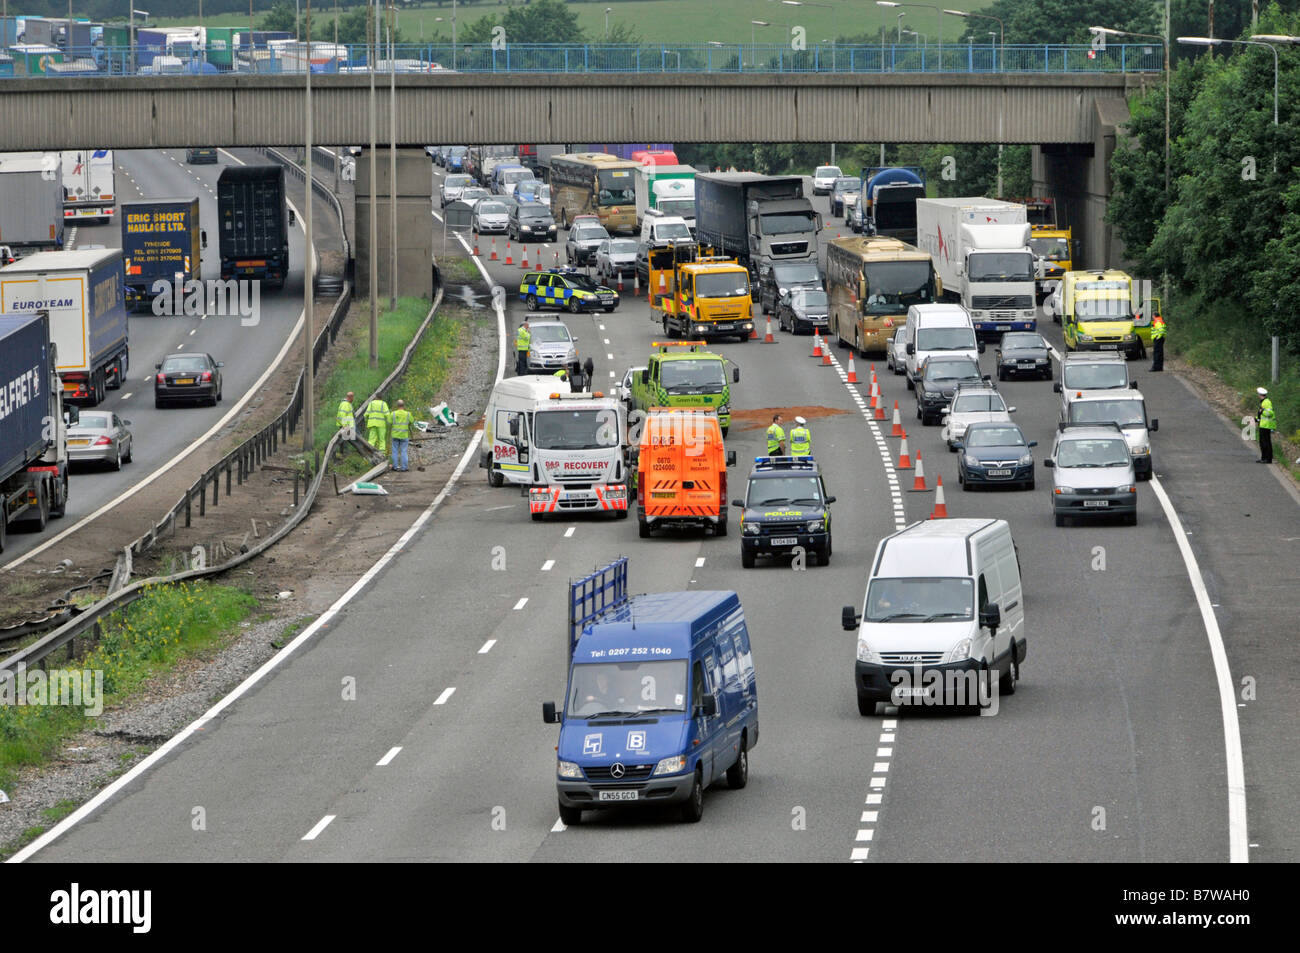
x: 756, y: 417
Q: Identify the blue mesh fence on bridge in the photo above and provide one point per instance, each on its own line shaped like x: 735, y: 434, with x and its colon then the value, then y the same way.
x: 290, y: 57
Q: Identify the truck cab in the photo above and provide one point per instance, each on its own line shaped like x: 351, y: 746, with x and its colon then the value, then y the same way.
x: 579, y: 456
x: 661, y: 699
x: 683, y: 374
x: 998, y: 275
x: 704, y: 296
x: 1097, y: 312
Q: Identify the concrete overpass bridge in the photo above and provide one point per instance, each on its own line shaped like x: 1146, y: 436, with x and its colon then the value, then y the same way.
x: 1070, y: 118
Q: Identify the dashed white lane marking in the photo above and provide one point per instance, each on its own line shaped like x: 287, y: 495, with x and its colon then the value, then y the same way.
x: 387, y: 759
x: 446, y: 693
x: 179, y: 346
x: 609, y: 357
x: 548, y: 565
x: 569, y: 532
x: 127, y: 395
x: 487, y: 647
x: 193, y: 331
x: 699, y: 561
x: 521, y: 603
x: 323, y: 823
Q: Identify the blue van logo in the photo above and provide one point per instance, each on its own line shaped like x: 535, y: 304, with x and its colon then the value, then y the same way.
x: 591, y: 744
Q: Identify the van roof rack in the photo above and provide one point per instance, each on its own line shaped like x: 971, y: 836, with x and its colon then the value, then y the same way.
x: 805, y: 462
x: 1063, y: 426
x: 665, y: 345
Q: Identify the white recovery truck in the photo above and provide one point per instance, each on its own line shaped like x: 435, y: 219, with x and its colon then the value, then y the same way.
x: 569, y: 449
x: 981, y: 253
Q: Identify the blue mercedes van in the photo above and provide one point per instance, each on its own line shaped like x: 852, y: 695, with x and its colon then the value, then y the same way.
x: 661, y: 699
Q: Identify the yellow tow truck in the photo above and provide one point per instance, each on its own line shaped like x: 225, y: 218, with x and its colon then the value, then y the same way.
x: 697, y: 294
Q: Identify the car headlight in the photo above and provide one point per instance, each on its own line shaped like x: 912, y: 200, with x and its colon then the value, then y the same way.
x: 1027, y: 459
x: 959, y: 652
x: 700, y: 328
x: 781, y: 291
x: 1128, y: 488
x: 1130, y: 337
x: 1040, y: 360
x: 567, y: 769
x: 671, y: 765
x: 1141, y: 451
x: 815, y: 526
x: 1085, y: 337
x: 750, y: 529
x: 865, y: 654
x: 724, y: 408
x: 971, y: 462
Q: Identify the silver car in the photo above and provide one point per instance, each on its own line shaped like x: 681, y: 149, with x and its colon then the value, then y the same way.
x: 551, y: 347
x: 616, y: 257
x: 100, y: 436
x: 584, y: 239
x: 454, y: 186
x: 491, y: 216
x: 1092, y: 473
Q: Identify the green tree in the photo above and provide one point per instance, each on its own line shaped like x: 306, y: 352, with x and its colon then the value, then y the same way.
x: 542, y: 21
x: 279, y: 17
x: 480, y: 31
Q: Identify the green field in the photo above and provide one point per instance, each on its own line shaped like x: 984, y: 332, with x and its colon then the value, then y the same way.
x: 675, y: 21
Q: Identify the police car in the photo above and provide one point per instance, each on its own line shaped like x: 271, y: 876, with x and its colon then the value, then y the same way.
x: 565, y: 288
x: 785, y: 510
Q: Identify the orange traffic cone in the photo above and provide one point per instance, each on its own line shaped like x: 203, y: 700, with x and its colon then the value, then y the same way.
x: 817, y: 344
x: 663, y: 286
x: 476, y: 243
x: 555, y: 259
x: 636, y: 284
x: 898, y: 423
x: 904, y: 461
x: 940, y: 507
x: 826, y: 356
x: 853, y: 371
x: 918, y: 485
x: 494, y: 249
x: 753, y: 332
x: 620, y: 282
x: 875, y: 394
x: 767, y: 338
x: 509, y: 258
x: 523, y: 262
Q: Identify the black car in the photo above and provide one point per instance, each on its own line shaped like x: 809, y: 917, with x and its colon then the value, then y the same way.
x: 785, y: 509
x: 844, y: 185
x: 935, y: 387
x: 187, y: 377
x: 532, y: 221
x: 787, y: 276
x: 1023, y: 353
x: 995, y: 454
x: 803, y: 310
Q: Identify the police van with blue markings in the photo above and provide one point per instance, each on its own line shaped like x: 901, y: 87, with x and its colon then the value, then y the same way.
x: 785, y: 510
x: 565, y: 288
x: 661, y: 699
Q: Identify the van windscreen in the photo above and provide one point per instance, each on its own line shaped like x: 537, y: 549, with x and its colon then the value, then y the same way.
x: 574, y: 430
x: 1094, y: 376
x: 945, y: 339
x: 689, y: 376
x: 598, y: 689
x: 920, y: 599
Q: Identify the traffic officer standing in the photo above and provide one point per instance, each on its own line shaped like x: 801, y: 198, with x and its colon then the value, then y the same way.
x: 345, y: 418
x: 800, y: 439
x: 377, y: 424
x: 775, y: 438
x: 523, y: 339
x: 402, y: 420
x: 1266, y: 423
x: 1157, y: 344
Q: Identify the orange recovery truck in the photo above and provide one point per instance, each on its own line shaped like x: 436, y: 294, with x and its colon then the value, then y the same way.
x: 682, y: 471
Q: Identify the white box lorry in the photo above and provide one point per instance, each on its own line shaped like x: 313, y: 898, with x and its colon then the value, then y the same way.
x: 89, y: 191
x: 981, y: 252
x: 668, y: 188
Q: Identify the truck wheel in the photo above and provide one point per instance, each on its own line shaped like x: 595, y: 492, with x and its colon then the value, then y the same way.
x: 720, y: 527
x: 866, y: 706
x: 537, y: 517
x: 570, y: 816
x: 724, y: 430
x: 496, y: 478
x: 42, y: 509
x: 693, y: 808
x: 620, y: 514
x: 61, y: 507
x: 3, y: 531
x: 643, y: 529
x: 738, y: 773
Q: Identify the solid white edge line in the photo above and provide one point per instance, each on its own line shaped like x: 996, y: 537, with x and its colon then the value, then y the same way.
x: 294, y: 335
x: 1238, y: 848
x: 323, y: 823
x: 272, y: 663
x: 388, y: 758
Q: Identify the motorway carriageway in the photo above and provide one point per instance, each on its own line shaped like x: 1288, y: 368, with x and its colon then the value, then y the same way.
x: 160, y: 435
x: 1112, y: 749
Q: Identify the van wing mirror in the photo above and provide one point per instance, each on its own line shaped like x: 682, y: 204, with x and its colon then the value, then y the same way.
x: 911, y: 350
x: 849, y: 619
x: 549, y: 715
x: 514, y: 426
x: 1056, y: 387
x: 293, y: 219
x: 980, y: 345
x: 1155, y: 425
x: 1049, y: 463
x: 731, y: 458
x: 829, y: 500
x: 645, y: 376
x: 709, y: 705
x: 991, y: 616
x: 1133, y: 385
x: 72, y: 415
x: 203, y: 238
x: 735, y: 375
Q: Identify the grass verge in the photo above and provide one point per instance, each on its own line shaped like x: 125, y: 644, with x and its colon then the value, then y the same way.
x: 1214, y: 337
x: 168, y: 623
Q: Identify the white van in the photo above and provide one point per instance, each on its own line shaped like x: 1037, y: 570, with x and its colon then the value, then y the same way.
x: 507, y: 425
x: 944, y: 615
x: 938, y: 330
x: 660, y: 229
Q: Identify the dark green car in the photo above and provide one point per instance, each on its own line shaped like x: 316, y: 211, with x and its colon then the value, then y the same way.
x: 785, y: 510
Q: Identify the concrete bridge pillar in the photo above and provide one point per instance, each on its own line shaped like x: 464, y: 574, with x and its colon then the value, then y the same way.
x: 413, y: 197
x: 1077, y: 176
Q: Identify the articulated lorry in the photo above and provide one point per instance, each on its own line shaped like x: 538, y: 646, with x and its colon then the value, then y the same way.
x: 757, y: 219
x: 888, y: 200
x: 981, y: 252
x: 31, y: 202
x: 254, y: 222
x: 668, y: 188
x: 83, y: 293
x: 161, y: 241
x: 33, y: 431
x: 89, y: 185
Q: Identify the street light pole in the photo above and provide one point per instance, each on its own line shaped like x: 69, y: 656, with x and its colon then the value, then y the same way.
x: 308, y: 277
x: 372, y: 50
x: 1002, y: 32
x: 392, y: 155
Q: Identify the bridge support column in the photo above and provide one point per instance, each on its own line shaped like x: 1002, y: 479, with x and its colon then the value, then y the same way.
x: 1077, y: 176
x: 414, y: 198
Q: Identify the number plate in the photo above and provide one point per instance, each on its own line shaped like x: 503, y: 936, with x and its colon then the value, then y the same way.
x: 911, y: 692
x: 617, y: 796
x: 994, y: 473
x: 78, y: 443
x: 1110, y: 347
x: 1028, y: 363
x: 1096, y: 502
x: 725, y: 327
x: 785, y: 541
x: 183, y: 380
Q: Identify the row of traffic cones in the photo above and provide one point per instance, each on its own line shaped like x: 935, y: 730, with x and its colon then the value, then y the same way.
x: 904, y: 457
